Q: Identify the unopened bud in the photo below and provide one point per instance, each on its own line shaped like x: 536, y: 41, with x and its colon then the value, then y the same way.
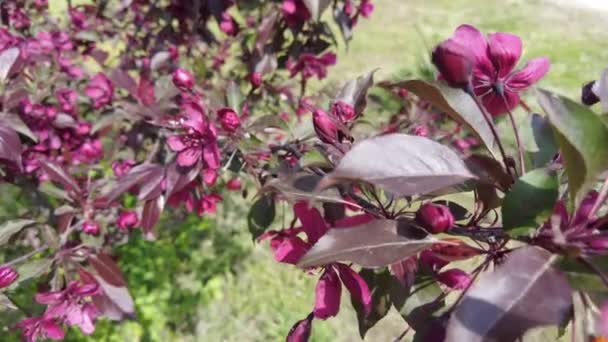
x: 183, y: 79
x: 454, y: 62
x: 90, y: 227
x: 589, y: 93
x: 8, y: 275
x: 229, y: 119
x: 255, y: 79
x: 436, y: 218
x: 325, y: 127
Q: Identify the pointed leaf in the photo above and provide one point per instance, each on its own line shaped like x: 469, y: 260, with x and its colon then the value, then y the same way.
x: 9, y: 228
x: 544, y: 141
x: 402, y: 164
x: 530, y: 202
x: 457, y: 104
x: 8, y: 58
x: 151, y: 214
x: 523, y: 293
x: 261, y: 215
x: 138, y: 175
x: 107, y: 269
x: 10, y: 145
x: 421, y: 303
x: 377, y: 243
x: 15, y: 122
x: 582, y: 139
x: 57, y: 173
x: 301, y: 186
x: 117, y: 295
x: 32, y: 269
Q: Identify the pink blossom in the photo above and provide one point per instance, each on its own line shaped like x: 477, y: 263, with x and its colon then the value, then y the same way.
x: 495, y: 79
x: 90, y: 227
x: 325, y: 127
x: 127, y: 219
x: 67, y: 99
x: 435, y: 218
x: 78, y: 18
x: 234, y: 184
x: 295, y: 12
x: 199, y: 142
x: 183, y: 79
x: 208, y: 204
x: 366, y: 8
x: 66, y: 66
x: 455, y: 278
x: 229, y: 119
x: 72, y: 305
x: 343, y: 111
x: 35, y: 328
x: 101, y: 90
x: 357, y: 286
x: 255, y: 78
x: 19, y: 19
x: 8, y: 275
x: 228, y: 25
x: 120, y: 168
x: 41, y: 4
x: 327, y: 294
x: 310, y: 65
x: 300, y: 332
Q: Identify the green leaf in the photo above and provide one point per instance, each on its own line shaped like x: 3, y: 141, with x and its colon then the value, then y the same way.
x: 379, y: 284
x: 583, y: 278
x: 261, y: 215
x: 582, y: 138
x: 530, y: 201
x: 233, y: 96
x: 421, y: 304
x: 457, y: 104
x: 8, y: 229
x: 546, y: 147
x: 31, y: 269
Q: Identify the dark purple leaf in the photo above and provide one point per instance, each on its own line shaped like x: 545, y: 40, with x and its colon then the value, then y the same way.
x: 10, y: 145
x: 15, y: 122
x: 301, y: 186
x: 177, y: 178
x: 455, y: 103
x: 489, y: 170
x: 8, y: 58
x: 261, y: 215
x: 116, y: 302
x: 107, y: 269
x: 58, y: 174
x: 151, y: 214
x: 523, y: 293
x: 137, y: 176
x: 123, y: 80
x: 265, y: 31
x: 402, y: 164
x: 10, y: 228
x: 159, y: 60
x: 344, y: 23
x: 374, y: 244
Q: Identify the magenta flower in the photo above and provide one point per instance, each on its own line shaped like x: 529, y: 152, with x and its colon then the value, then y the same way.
x: 325, y: 127
x: 127, y: 219
x: 229, y: 119
x: 67, y: 100
x: 255, y: 78
x: 199, y: 142
x: 35, y: 328
x: 455, y: 278
x: 310, y: 65
x: 327, y: 294
x: 183, y: 79
x: 295, y: 12
x: 495, y: 79
x: 78, y: 18
x: 234, y: 184
x: 356, y: 286
x: 435, y: 218
x: 90, y: 227
x: 208, y: 204
x: 72, y: 305
x: 300, y: 332
x: 343, y: 111
x: 121, y: 168
x: 8, y: 275
x: 366, y: 8
x: 228, y: 25
x: 101, y: 90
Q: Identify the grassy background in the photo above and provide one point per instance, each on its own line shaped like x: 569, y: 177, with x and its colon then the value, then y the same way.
x: 206, y: 281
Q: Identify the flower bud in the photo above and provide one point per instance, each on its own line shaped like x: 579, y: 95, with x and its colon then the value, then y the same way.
x: 255, y: 78
x: 589, y: 93
x: 436, y: 218
x: 300, y: 332
x: 325, y: 127
x: 90, y: 227
x: 8, y: 275
x: 455, y: 279
x: 229, y: 119
x: 454, y: 62
x: 127, y: 219
x: 343, y: 111
x: 234, y: 184
x: 183, y: 79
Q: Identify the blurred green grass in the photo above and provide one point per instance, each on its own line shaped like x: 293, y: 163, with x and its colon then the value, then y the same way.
x: 195, y: 285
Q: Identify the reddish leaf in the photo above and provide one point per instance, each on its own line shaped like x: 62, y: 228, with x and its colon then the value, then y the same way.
x: 137, y: 176
x: 57, y: 173
x: 107, y: 269
x: 116, y: 302
x: 151, y: 214
x: 10, y: 145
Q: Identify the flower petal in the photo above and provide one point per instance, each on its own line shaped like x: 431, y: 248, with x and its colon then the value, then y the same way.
x: 534, y: 70
x: 327, y: 295
x: 312, y: 222
x: 455, y: 278
x: 300, y: 332
x: 176, y: 143
x: 497, y: 106
x: 189, y: 156
x: 290, y: 250
x: 356, y: 286
x: 470, y: 37
x: 211, y: 155
x: 505, y: 51
x: 52, y: 330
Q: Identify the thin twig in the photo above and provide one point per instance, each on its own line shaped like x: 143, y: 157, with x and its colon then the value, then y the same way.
x: 520, y: 147
x: 26, y: 256
x: 490, y: 123
x: 400, y: 337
